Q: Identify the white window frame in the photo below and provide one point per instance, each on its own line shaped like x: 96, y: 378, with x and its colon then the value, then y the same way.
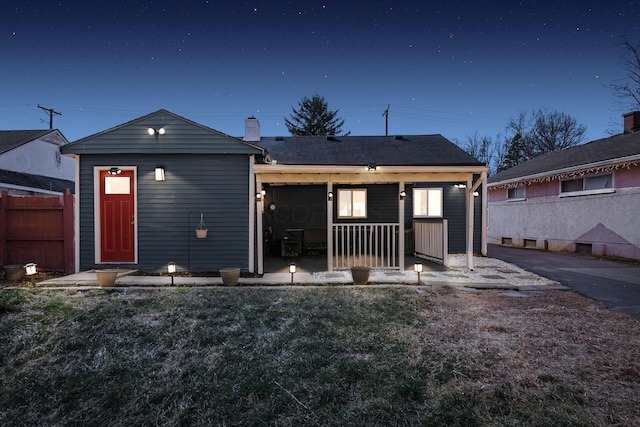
x: 341, y: 194
x: 584, y: 192
x: 428, y: 190
x: 524, y: 193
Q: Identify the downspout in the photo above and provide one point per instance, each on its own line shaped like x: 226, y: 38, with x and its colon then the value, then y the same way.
x: 252, y: 215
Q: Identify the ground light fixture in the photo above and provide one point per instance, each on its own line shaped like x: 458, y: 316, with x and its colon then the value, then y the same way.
x: 292, y: 270
x: 417, y: 267
x: 171, y: 268
x: 30, y: 269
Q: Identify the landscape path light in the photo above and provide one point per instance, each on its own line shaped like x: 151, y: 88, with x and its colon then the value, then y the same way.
x: 292, y: 270
x: 417, y: 267
x: 171, y: 268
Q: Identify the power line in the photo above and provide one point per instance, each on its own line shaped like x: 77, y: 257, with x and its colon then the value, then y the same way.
x: 51, y: 112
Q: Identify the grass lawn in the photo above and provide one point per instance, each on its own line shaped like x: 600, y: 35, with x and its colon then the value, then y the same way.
x: 315, y: 356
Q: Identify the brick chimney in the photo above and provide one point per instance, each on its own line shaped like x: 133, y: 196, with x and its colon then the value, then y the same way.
x: 631, y: 121
x: 252, y: 129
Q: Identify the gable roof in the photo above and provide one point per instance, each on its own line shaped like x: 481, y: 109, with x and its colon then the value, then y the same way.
x: 413, y: 150
x: 40, y: 182
x: 10, y: 139
x: 182, y: 136
x: 615, y: 149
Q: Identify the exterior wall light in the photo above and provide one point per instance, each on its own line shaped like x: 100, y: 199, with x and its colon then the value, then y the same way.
x: 460, y: 185
x: 330, y: 196
x: 417, y: 267
x: 403, y: 194
x: 258, y: 197
x: 371, y: 167
x: 152, y: 131
x: 115, y: 171
x: 30, y: 269
x: 292, y: 270
x: 476, y: 194
x: 159, y: 173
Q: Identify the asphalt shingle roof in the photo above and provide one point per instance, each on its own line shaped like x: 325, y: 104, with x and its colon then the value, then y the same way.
x: 601, y: 150
x: 10, y: 139
x: 412, y: 150
x: 35, y: 181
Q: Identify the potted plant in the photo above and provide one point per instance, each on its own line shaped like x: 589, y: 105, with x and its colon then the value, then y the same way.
x: 360, y: 274
x: 106, y: 277
x: 230, y: 276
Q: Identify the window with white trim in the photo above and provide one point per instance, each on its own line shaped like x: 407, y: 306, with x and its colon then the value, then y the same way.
x: 427, y: 202
x: 352, y: 203
x: 587, y: 184
x: 515, y: 193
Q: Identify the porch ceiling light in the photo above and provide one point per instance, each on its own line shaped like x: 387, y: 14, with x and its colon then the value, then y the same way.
x: 460, y: 185
x: 115, y: 171
x: 30, y: 269
x: 159, y: 173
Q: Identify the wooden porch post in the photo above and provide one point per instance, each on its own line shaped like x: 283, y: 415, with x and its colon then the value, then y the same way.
x: 330, y: 226
x: 469, y: 223
x: 260, y: 228
x: 401, y: 228
x: 68, y: 210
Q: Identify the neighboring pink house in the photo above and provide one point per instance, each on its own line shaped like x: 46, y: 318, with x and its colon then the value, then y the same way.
x: 582, y: 199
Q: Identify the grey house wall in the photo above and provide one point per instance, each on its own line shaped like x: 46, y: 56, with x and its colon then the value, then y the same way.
x: 169, y: 211
x: 304, y: 206
x: 454, y: 211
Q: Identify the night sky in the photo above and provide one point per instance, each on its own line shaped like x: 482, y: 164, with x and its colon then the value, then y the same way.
x: 447, y: 67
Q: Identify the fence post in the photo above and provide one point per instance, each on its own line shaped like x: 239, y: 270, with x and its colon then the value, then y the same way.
x: 68, y: 224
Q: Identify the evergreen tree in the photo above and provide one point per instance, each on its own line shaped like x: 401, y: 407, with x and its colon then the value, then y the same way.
x: 515, y: 153
x: 313, y: 117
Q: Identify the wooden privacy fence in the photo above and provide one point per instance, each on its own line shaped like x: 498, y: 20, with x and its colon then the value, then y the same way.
x: 37, y: 229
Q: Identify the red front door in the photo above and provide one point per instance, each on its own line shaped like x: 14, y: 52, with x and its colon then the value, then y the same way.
x: 117, y: 216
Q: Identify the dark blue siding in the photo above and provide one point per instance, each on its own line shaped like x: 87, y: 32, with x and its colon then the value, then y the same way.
x: 169, y: 211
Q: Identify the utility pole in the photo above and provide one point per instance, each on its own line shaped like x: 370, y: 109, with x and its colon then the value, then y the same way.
x: 386, y: 120
x: 51, y: 112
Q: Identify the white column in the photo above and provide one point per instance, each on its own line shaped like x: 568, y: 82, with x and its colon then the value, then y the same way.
x: 330, y: 226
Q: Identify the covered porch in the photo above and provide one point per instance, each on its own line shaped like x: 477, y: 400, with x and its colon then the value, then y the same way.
x: 374, y: 241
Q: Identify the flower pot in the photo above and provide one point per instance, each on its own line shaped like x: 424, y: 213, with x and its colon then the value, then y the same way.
x: 230, y: 276
x: 201, y: 234
x: 106, y: 278
x: 13, y: 272
x: 360, y: 275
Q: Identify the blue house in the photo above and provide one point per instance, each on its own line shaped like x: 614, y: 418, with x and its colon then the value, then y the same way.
x: 148, y: 189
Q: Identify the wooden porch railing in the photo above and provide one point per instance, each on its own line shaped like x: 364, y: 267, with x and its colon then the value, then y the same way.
x: 370, y: 245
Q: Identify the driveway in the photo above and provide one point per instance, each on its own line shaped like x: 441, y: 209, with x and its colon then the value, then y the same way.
x: 614, y: 284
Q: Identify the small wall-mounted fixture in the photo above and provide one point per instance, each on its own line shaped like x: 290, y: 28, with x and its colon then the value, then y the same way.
x: 115, y: 171
x: 330, y: 196
x: 171, y: 268
x: 259, y: 197
x: 30, y: 269
x: 292, y: 270
x: 371, y: 167
x: 152, y: 131
x: 460, y: 185
x: 403, y: 194
x: 417, y: 267
x: 159, y: 173
x: 476, y: 194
